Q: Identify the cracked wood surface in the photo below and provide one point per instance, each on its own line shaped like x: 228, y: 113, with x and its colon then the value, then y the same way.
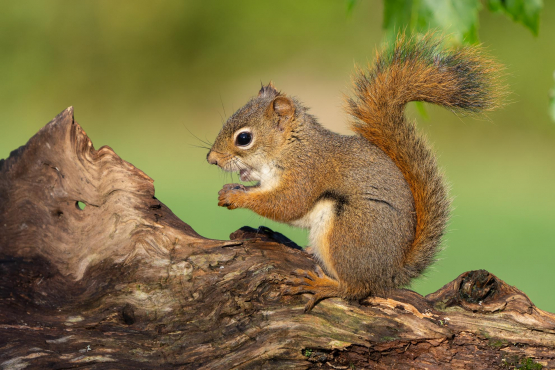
x: 125, y: 284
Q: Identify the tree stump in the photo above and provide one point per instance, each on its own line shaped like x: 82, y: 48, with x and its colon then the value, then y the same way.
x: 96, y: 273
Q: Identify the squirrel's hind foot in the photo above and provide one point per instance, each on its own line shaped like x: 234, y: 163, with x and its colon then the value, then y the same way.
x: 319, y: 285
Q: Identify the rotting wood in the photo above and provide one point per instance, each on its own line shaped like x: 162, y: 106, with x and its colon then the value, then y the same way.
x: 125, y: 284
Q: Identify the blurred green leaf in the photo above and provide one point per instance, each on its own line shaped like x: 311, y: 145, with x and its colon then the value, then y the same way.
x: 421, y: 108
x: 350, y: 6
x: 397, y: 16
x: 458, y: 19
x: 552, y: 101
x: 526, y: 12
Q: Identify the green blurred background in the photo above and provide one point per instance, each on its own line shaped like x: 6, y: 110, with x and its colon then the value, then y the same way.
x: 141, y: 74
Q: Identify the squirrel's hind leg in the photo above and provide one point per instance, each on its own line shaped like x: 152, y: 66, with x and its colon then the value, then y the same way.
x: 318, y: 284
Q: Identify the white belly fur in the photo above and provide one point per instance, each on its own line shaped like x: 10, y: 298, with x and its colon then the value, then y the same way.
x: 319, y: 221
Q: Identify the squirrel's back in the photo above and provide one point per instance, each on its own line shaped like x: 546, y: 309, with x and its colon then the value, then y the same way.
x: 420, y: 70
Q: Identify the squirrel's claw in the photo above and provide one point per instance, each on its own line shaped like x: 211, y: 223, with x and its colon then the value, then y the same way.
x: 302, y: 274
x: 313, y: 301
x: 320, y: 287
x: 231, y: 187
x: 226, y: 195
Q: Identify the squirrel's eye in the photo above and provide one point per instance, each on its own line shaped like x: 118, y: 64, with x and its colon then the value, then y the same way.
x: 243, y: 139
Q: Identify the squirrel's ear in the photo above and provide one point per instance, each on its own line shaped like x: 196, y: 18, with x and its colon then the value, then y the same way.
x: 268, y: 91
x: 284, y: 108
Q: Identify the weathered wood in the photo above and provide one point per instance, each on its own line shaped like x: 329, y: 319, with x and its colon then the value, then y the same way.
x: 123, y: 283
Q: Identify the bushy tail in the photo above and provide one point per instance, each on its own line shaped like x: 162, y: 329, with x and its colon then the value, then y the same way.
x: 421, y: 70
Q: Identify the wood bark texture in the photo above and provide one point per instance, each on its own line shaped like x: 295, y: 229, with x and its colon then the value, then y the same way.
x: 124, y: 284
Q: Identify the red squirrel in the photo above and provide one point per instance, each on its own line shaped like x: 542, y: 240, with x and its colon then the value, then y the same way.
x: 375, y: 203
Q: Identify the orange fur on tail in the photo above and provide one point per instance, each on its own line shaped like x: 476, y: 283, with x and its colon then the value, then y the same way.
x: 420, y: 70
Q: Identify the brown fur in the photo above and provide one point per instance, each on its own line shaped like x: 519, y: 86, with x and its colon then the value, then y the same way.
x: 378, y: 108
x: 376, y: 204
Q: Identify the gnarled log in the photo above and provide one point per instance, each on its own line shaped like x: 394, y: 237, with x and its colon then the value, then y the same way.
x: 123, y: 283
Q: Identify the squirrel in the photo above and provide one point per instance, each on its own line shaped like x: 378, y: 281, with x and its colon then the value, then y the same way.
x: 375, y: 203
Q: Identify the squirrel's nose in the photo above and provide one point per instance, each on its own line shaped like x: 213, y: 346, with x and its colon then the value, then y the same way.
x: 211, y: 158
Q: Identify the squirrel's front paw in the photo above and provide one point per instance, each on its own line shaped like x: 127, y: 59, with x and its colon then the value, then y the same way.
x: 227, y: 197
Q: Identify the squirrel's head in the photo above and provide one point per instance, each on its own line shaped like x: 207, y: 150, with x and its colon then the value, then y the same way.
x: 251, y: 140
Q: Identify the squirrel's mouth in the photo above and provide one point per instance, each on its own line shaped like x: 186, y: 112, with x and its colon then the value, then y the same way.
x: 248, y: 175
x: 244, y: 175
